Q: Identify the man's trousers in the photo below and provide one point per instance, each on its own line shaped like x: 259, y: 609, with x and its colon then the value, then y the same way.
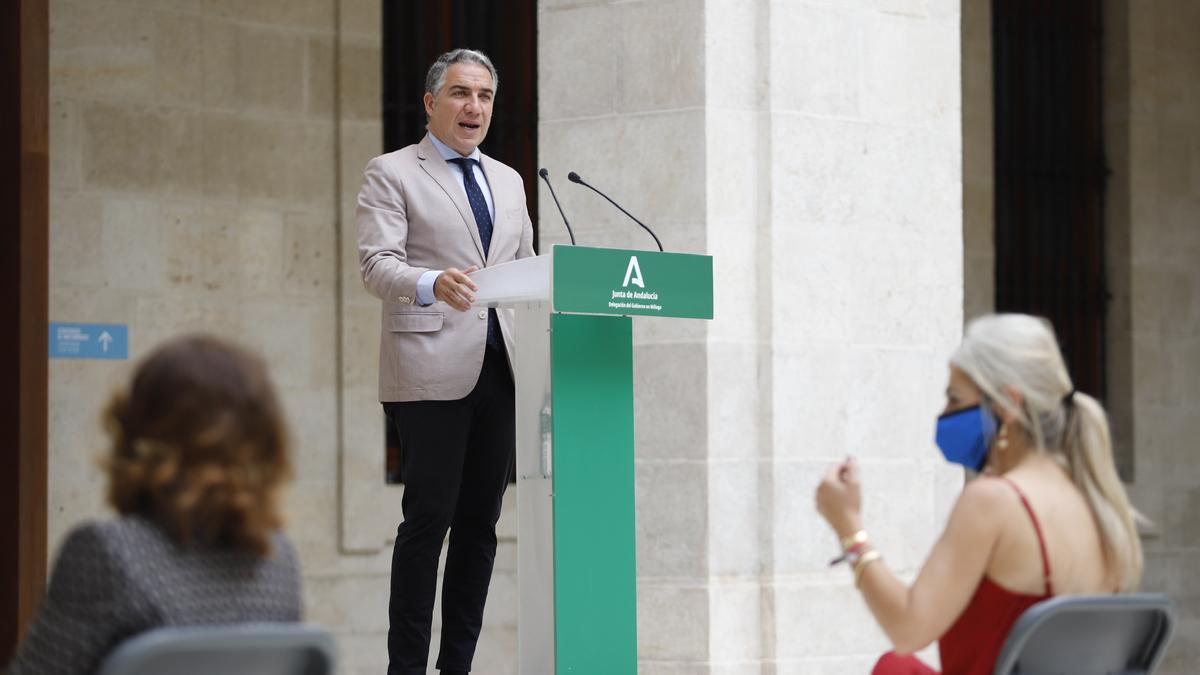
x: 456, y: 457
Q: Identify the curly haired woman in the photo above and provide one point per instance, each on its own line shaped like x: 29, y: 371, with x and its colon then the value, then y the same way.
x: 198, y: 455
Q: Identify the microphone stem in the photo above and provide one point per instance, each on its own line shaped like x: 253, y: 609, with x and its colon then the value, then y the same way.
x: 610, y: 201
x: 562, y: 213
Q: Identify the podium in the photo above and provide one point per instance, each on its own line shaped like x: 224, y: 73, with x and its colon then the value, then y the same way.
x: 573, y: 368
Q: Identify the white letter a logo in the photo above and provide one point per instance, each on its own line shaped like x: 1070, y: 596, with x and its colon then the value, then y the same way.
x: 634, y: 273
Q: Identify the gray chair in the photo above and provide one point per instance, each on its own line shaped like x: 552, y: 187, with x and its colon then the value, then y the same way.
x: 1089, y: 634
x: 234, y: 649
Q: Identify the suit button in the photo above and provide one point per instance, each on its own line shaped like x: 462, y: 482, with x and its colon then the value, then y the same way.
x: 483, y: 313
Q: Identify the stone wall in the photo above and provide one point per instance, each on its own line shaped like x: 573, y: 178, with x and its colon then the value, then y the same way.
x: 1152, y: 223
x: 194, y: 187
x: 1155, y: 204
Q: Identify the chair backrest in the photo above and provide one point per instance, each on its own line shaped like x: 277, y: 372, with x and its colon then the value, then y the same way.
x: 234, y: 649
x: 1092, y: 634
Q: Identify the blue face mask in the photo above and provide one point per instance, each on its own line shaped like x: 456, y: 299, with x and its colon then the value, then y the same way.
x: 964, y: 436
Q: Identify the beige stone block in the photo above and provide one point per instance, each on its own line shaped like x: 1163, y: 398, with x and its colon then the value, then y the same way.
x: 894, y: 398
x: 309, y: 242
x: 671, y: 501
x: 312, y: 427
x: 282, y: 333
x: 585, y: 37
x: 310, y: 519
x: 178, y: 57
x: 202, y: 246
x: 370, y: 509
x: 501, y: 608
x: 808, y: 424
x: 801, y: 541
x: 64, y: 145
x: 313, y: 15
x: 496, y: 651
x: 1174, y: 157
x: 911, y: 72
x: 736, y: 393
x: 803, y: 609
x: 737, y: 279
x: 850, y: 276
x: 269, y: 160
x: 71, y: 303
x: 220, y: 154
x: 360, y: 86
x: 736, y: 615
x: 650, y: 164
x: 670, y: 402
x: 320, y: 70
x: 362, y: 653
x: 360, y: 339
x: 133, y: 245
x: 101, y: 50
x: 75, y: 237
x: 820, y: 58
x: 1176, y: 23
x: 1182, y: 526
x: 672, y: 622
x: 219, y: 62
x: 660, y: 55
x: 362, y: 19
x: 270, y: 69
x: 153, y: 149
x: 736, y: 535
x: 918, y: 9
x: 829, y: 665
x: 734, y: 173
x: 160, y: 317
x: 348, y: 603
x: 734, y: 76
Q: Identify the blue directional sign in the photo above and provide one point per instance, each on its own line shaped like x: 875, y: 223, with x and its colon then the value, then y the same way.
x: 89, y: 341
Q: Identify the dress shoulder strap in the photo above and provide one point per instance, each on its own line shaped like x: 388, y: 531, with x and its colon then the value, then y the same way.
x: 1037, y: 527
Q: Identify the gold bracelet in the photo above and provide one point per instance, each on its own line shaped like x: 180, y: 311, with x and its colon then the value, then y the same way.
x: 859, y: 537
x: 866, y: 559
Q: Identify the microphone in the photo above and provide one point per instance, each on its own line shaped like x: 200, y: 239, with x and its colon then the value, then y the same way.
x: 546, y: 177
x: 574, y: 178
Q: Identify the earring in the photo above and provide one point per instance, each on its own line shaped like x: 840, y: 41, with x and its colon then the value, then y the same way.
x: 1002, y: 442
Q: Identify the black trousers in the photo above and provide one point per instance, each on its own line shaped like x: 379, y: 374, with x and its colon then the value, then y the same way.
x: 456, y: 457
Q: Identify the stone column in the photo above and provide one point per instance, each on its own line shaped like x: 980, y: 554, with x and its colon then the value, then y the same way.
x: 814, y: 149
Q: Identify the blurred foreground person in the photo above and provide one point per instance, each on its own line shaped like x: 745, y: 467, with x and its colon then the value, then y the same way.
x: 197, y: 458
x: 1048, y: 516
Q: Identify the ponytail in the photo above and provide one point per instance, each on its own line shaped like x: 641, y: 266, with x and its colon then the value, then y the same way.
x: 1087, y: 451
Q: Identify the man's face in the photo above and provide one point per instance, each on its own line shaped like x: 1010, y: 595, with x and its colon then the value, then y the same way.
x: 462, y: 110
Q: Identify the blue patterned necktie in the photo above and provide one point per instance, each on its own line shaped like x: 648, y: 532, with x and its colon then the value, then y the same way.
x: 483, y: 220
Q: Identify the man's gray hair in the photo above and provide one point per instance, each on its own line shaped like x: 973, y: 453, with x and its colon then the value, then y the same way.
x: 437, y: 72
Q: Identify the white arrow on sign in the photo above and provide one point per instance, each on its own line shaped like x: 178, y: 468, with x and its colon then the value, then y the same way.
x: 105, y: 338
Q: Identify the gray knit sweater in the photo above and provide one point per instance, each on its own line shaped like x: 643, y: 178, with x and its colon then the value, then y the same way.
x: 115, y: 579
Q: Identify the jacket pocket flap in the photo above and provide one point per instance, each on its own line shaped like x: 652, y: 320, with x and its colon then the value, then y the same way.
x: 415, y: 322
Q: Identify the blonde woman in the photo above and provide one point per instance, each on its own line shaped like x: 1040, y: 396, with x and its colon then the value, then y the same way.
x: 1048, y: 516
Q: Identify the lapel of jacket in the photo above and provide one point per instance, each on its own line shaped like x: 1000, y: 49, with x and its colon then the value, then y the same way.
x: 437, y: 168
x: 499, y: 203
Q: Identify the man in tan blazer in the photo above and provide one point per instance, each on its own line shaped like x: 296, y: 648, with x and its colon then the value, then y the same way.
x: 428, y: 215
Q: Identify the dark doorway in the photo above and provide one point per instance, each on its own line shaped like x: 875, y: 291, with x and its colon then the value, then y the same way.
x: 414, y: 35
x: 1050, y: 174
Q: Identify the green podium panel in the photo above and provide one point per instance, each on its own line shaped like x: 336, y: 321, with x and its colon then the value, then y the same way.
x: 573, y: 367
x: 628, y: 282
x: 595, y: 567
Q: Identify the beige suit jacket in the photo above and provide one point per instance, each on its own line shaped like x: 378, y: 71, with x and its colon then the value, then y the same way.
x: 413, y: 217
